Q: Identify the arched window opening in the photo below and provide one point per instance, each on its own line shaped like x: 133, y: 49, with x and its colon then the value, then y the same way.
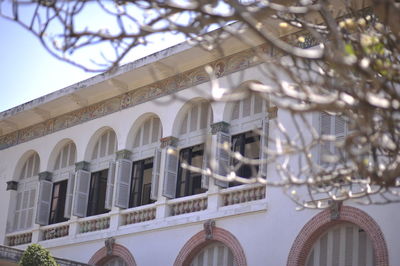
x: 30, y: 167
x: 248, y: 135
x: 198, y: 117
x: 26, y: 194
x: 149, y: 132
x: 191, y: 151
x: 105, y: 145
x: 344, y: 244
x: 216, y: 254
x: 66, y: 157
x: 95, y: 189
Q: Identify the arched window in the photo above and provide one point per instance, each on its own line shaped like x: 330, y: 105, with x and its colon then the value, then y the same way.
x: 58, y: 209
x: 66, y: 157
x: 26, y: 193
x: 105, y: 145
x: 31, y: 167
x: 344, y: 244
x: 148, y: 133
x: 193, y: 130
x: 197, y: 117
x: 216, y: 254
x: 146, y: 164
x: 248, y: 135
x: 94, y: 189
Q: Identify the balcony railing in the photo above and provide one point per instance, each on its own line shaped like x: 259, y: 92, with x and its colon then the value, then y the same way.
x: 139, y: 215
x: 204, y: 206
x: 190, y: 204
x: 94, y: 224
x: 54, y: 231
x: 19, y: 239
x: 242, y: 194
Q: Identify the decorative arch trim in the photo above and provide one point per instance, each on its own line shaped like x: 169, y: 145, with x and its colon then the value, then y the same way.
x: 117, y: 250
x: 199, y: 241
x: 321, y: 222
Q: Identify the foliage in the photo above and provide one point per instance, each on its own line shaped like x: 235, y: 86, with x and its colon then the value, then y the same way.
x: 36, y: 255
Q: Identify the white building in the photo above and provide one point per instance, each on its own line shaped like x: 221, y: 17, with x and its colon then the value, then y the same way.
x: 89, y: 172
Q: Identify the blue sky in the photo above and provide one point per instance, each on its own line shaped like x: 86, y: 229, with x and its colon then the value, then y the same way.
x: 28, y: 71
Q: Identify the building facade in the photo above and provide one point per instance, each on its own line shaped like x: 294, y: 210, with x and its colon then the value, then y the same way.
x: 94, y: 173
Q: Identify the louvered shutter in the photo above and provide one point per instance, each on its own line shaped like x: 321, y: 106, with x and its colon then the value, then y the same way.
x: 222, y: 158
x: 325, y: 127
x: 81, y: 195
x: 44, y: 202
x: 170, y: 173
x: 110, y: 186
x: 155, y: 175
x: 124, y: 172
x: 70, y: 195
x: 340, y: 132
x: 205, y: 179
x: 263, y: 148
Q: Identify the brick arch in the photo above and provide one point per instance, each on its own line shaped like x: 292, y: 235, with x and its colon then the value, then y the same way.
x: 197, y: 242
x: 118, y: 250
x: 321, y: 222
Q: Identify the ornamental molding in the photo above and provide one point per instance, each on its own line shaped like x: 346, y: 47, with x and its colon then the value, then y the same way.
x: 222, y: 67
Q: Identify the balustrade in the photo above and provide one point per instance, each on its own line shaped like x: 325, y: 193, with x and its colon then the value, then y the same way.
x: 19, y: 239
x: 232, y: 197
x: 96, y: 224
x: 139, y: 216
x: 55, y: 232
x: 188, y: 206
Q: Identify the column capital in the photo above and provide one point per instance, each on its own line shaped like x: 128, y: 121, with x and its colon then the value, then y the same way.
x: 168, y: 141
x: 83, y: 165
x: 220, y: 126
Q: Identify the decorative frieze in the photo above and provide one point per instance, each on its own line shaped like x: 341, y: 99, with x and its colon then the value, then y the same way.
x: 184, y: 80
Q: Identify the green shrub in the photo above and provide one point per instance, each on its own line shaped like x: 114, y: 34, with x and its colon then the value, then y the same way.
x: 36, y: 255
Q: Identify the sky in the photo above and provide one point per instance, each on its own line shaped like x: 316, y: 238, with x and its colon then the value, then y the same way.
x: 28, y: 71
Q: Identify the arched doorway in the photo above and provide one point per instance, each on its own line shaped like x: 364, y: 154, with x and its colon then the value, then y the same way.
x: 322, y: 227
x: 214, y: 254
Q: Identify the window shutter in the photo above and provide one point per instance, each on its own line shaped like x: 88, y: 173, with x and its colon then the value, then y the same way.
x: 155, y: 175
x: 170, y: 173
x: 205, y: 179
x: 222, y: 158
x: 124, y: 172
x: 264, y: 146
x: 44, y: 202
x: 70, y: 195
x: 325, y: 128
x: 81, y: 196
x: 340, y: 131
x: 110, y: 186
